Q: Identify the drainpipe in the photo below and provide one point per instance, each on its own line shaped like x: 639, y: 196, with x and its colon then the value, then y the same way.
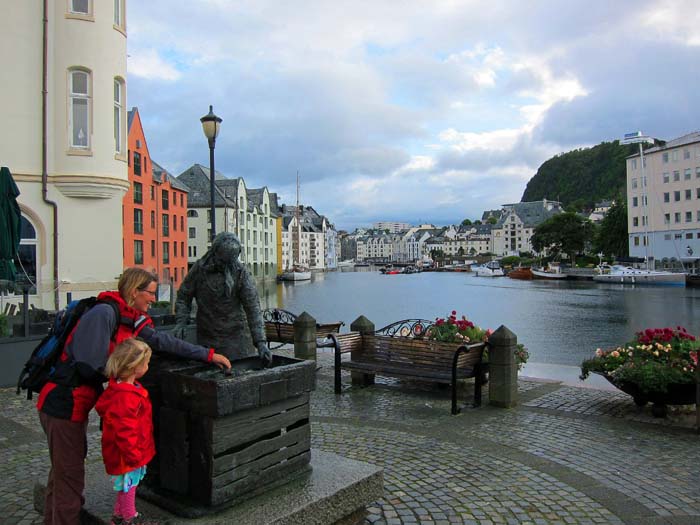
x: 44, y: 149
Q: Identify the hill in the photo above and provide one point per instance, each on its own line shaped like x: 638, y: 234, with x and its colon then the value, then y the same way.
x: 583, y: 176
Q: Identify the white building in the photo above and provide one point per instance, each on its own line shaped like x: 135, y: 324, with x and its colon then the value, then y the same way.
x: 665, y: 225
x: 64, y: 139
x: 249, y: 213
x: 391, y: 227
x: 317, y: 246
x: 513, y: 231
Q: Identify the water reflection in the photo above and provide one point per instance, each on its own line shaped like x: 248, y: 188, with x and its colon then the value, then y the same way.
x: 560, y: 322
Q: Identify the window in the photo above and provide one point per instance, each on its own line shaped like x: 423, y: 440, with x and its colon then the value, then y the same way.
x: 153, y: 219
x: 194, y: 251
x: 676, y: 196
x: 634, y: 164
x: 667, y: 197
x: 688, y: 235
x: 634, y: 183
x: 165, y: 200
x: 677, y: 217
x: 119, y: 13
x: 667, y: 218
x: 192, y: 213
x: 182, y: 249
x: 138, y: 193
x: 636, y: 241
x: 193, y: 233
x: 138, y: 252
x: 153, y: 248
x: 80, y: 6
x: 80, y: 106
x: 26, y: 258
x: 674, y: 155
x: 686, y: 154
x: 182, y: 223
x: 145, y: 164
x: 166, y: 225
x: 137, y: 163
x: 174, y: 199
x: 635, y: 202
x: 138, y: 220
x: 176, y: 274
x: 686, y: 174
x: 118, y: 115
x: 174, y: 223
x: 208, y: 216
x: 174, y: 249
x: 676, y: 176
x: 667, y: 237
x: 635, y: 221
x: 678, y: 236
x: 665, y: 158
x: 153, y: 192
x: 166, y: 252
x: 689, y: 216
x: 688, y: 194
x: 182, y: 200
x: 697, y: 173
x: 666, y: 178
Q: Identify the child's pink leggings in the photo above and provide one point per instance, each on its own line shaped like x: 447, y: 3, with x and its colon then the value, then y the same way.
x: 125, y: 506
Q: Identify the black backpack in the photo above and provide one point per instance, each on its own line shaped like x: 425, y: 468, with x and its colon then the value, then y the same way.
x: 40, y: 366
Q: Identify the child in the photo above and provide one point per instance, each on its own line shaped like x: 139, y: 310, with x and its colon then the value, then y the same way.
x: 127, y: 427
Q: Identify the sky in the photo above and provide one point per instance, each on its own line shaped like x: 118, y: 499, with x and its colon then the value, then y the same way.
x: 411, y: 111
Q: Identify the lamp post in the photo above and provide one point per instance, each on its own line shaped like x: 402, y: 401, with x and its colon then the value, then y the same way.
x: 211, y: 125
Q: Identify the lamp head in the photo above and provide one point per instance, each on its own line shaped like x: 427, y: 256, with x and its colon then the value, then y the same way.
x: 211, y: 124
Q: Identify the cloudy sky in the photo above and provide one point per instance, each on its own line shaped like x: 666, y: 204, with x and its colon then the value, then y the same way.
x: 411, y: 111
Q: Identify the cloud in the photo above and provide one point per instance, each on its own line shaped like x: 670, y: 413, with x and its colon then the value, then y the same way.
x: 406, y: 110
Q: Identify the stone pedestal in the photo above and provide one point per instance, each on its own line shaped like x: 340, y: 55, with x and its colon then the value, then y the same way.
x: 305, y: 337
x: 503, y: 370
x: 364, y: 326
x: 222, y: 439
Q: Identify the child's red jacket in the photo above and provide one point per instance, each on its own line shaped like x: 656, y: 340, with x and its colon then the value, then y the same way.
x: 127, y: 427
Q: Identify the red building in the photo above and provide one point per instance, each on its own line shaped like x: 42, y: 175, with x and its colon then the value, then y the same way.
x: 154, y: 213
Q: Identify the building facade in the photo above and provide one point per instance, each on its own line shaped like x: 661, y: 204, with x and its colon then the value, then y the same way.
x: 512, y: 233
x: 663, y: 202
x: 391, y: 227
x: 65, y: 141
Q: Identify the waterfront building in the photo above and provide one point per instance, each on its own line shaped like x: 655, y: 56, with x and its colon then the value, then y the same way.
x: 391, y: 227
x: 64, y: 138
x: 512, y: 233
x: 154, y: 214
x: 600, y: 210
x: 249, y: 213
x: 318, y: 241
x: 663, y: 202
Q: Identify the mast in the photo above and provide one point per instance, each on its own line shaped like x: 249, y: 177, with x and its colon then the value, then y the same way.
x: 296, y: 258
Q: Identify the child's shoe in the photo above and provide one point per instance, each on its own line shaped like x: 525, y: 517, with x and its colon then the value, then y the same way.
x: 140, y: 519
x: 117, y: 520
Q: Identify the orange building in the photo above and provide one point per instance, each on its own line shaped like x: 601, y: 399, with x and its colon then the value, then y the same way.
x: 154, y: 213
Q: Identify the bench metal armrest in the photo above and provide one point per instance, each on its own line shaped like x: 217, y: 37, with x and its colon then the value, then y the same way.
x: 478, y: 380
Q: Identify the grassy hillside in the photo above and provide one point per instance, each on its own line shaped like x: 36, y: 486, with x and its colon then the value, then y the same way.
x: 583, y: 176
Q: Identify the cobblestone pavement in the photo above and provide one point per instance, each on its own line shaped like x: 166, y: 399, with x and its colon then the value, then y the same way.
x: 564, y: 456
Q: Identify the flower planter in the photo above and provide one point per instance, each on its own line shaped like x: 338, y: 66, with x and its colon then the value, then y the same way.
x: 677, y: 394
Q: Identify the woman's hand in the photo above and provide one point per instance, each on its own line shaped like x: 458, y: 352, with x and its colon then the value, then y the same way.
x: 221, y: 361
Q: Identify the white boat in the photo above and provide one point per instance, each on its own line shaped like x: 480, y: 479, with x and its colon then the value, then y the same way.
x: 295, y: 274
x: 490, y: 269
x: 628, y: 275
x: 552, y: 271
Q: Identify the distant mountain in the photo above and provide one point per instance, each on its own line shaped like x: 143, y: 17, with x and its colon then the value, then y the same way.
x: 583, y: 176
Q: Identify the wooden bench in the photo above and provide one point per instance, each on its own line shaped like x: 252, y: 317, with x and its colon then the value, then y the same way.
x: 400, y: 350
x: 279, y: 326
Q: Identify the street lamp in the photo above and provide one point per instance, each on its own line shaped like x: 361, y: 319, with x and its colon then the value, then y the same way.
x: 211, y: 125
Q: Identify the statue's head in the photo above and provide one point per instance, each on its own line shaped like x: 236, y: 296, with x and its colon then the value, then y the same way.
x: 226, y: 248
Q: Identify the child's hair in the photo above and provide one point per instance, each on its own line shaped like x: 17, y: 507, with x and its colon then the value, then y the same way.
x: 126, y: 358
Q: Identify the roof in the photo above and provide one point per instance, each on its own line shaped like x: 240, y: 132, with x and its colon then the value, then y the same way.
x: 690, y: 138
x: 196, y: 178
x: 130, y: 116
x: 530, y: 213
x: 160, y: 174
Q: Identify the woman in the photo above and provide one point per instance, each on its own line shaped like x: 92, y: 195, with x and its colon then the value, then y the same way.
x: 65, y: 402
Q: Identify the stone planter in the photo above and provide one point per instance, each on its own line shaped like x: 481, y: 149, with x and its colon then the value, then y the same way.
x: 223, y: 439
x: 677, y: 394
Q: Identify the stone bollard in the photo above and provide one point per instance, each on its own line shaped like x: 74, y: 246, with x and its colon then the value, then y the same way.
x: 365, y: 327
x: 305, y: 337
x: 503, y: 371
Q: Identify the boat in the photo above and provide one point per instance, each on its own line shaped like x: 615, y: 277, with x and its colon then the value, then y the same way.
x: 296, y: 272
x: 628, y: 275
x: 521, y: 272
x: 490, y: 269
x: 552, y: 271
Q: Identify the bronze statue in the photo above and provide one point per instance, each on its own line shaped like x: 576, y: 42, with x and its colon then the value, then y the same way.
x: 228, y: 308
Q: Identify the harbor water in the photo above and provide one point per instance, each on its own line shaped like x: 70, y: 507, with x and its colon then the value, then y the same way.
x: 560, y: 322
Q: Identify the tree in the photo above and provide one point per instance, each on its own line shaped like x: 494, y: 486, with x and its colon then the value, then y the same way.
x: 565, y: 232
x: 466, y: 222
x: 612, y: 236
x: 492, y: 220
x: 460, y: 252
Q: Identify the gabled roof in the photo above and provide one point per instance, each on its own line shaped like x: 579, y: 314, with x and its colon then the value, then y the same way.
x: 196, y: 178
x: 160, y: 174
x: 530, y: 213
x: 130, y: 117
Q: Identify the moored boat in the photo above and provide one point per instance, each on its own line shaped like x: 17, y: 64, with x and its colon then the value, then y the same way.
x: 552, y: 271
x: 521, y: 272
x: 490, y: 269
x: 295, y: 274
x: 628, y: 275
